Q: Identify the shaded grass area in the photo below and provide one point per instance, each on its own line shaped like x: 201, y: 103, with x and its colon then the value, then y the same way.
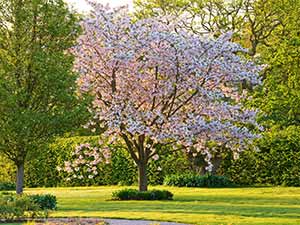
x: 236, y: 206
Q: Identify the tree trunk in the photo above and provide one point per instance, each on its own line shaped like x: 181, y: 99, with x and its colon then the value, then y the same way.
x: 203, y: 170
x: 143, y: 180
x: 20, y: 178
x: 217, y: 163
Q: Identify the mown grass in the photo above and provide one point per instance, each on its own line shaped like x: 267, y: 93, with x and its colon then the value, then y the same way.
x: 236, y: 206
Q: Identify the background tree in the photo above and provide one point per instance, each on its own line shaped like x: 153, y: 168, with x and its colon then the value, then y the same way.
x: 279, y: 96
x: 153, y: 86
x: 251, y: 21
x: 36, y: 83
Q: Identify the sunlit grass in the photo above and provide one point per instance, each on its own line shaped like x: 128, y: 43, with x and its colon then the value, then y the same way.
x: 271, y: 205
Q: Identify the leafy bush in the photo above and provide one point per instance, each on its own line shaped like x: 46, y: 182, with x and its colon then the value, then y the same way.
x: 41, y: 170
x: 168, y: 163
x: 277, y: 162
x: 44, y: 201
x: 14, y: 207
x: 193, y: 180
x: 122, y: 168
x: 132, y: 194
x: 7, y: 186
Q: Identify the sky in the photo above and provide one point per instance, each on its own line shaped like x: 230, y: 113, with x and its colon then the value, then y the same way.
x: 81, y: 5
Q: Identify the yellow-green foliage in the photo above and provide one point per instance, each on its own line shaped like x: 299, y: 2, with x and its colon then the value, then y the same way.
x: 7, y: 171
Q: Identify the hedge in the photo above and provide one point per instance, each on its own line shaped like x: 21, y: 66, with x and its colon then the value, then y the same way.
x: 132, y: 194
x: 194, y: 180
x: 41, y: 171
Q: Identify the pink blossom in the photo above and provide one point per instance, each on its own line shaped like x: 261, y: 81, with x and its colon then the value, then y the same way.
x: 85, y: 159
x: 155, y: 157
x: 152, y: 83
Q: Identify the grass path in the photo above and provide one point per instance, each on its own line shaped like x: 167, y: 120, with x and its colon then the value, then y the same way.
x: 234, y: 206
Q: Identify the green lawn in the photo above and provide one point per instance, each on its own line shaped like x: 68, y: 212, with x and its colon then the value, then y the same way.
x: 271, y: 205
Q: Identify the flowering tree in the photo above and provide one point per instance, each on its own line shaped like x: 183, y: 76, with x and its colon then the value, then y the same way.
x: 154, y: 83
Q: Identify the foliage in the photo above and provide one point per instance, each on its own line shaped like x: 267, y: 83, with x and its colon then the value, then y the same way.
x: 252, y: 22
x: 277, y: 162
x: 121, y: 170
x: 7, y: 171
x: 41, y: 171
x: 133, y: 194
x: 78, y: 170
x: 147, y: 83
x: 7, y: 186
x: 279, y: 96
x: 193, y: 180
x: 37, y: 99
x: 45, y: 202
x: 169, y: 162
x: 19, y: 207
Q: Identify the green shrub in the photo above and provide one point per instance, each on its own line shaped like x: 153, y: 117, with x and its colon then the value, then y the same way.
x: 168, y: 163
x: 44, y: 201
x: 123, y: 170
x: 132, y: 194
x: 7, y: 186
x: 276, y: 163
x: 41, y: 170
x: 14, y: 207
x: 10, y: 212
x: 194, y: 180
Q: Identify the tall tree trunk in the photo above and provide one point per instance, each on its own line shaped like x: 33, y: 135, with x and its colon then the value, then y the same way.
x: 20, y: 178
x: 143, y: 180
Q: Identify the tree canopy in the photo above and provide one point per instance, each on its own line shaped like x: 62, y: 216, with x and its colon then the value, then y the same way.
x: 153, y: 83
x: 37, y: 97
